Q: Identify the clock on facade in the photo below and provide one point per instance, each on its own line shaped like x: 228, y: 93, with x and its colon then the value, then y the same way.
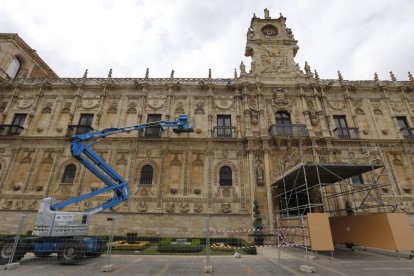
x: 269, y: 31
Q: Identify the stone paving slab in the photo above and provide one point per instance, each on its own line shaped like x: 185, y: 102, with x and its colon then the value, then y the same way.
x: 345, y: 262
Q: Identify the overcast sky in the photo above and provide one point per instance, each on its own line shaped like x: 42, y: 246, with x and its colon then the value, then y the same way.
x: 357, y: 37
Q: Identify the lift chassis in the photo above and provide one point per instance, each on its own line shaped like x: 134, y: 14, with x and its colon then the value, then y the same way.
x: 65, y: 232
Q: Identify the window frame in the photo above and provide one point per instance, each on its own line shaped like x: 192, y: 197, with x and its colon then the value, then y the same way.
x: 224, y: 128
x: 357, y: 179
x: 341, y: 126
x: 225, y: 176
x: 66, y: 178
x: 146, y: 178
x: 153, y: 131
x: 11, y: 69
x: 17, y: 123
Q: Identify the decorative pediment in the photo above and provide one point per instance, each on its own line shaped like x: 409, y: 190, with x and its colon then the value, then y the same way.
x: 223, y: 103
x: 89, y: 103
x: 336, y: 104
x: 156, y: 103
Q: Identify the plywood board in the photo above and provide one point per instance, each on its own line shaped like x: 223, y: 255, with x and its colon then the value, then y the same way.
x: 401, y: 231
x: 320, y: 232
x: 385, y: 231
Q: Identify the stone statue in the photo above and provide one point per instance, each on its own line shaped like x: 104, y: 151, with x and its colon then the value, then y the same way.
x: 209, y: 73
x: 316, y: 75
x: 254, y: 15
x: 393, y: 78
x: 308, y: 71
x: 341, y: 79
x: 266, y: 13
x: 250, y: 33
x: 147, y: 73
x: 85, y: 75
x: 242, y: 69
x: 410, y: 76
x: 172, y: 74
x: 376, y: 79
x: 259, y: 175
x: 110, y: 73
x: 235, y: 73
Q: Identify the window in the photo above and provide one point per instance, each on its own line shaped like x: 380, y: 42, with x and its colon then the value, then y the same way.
x: 85, y: 123
x: 146, y: 175
x: 283, y: 125
x: 225, y: 176
x: 153, y: 131
x: 13, y: 68
x: 17, y: 124
x: 357, y: 179
x: 224, y: 129
x: 341, y: 126
x: 405, y: 130
x: 69, y: 174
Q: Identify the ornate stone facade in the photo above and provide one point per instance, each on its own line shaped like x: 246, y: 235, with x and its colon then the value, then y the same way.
x: 236, y: 127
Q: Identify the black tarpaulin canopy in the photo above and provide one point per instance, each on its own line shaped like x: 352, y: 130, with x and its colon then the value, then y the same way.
x: 323, y: 173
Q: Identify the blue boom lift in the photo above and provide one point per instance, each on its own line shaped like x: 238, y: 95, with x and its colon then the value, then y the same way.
x: 65, y: 233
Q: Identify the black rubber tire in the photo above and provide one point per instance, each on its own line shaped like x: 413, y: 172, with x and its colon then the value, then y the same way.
x: 6, y: 248
x: 72, y: 252
x: 101, y: 246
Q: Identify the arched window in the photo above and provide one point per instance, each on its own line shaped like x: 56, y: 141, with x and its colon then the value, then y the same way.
x: 13, y: 68
x: 226, y: 176
x: 69, y: 174
x: 146, y: 175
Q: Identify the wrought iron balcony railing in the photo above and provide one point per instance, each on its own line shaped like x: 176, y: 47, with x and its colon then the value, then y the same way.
x: 289, y: 130
x: 407, y: 133
x: 224, y: 132
x: 79, y: 129
x: 151, y: 132
x: 346, y: 133
x: 10, y: 130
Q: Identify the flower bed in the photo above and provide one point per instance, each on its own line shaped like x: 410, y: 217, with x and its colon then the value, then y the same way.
x: 124, y: 245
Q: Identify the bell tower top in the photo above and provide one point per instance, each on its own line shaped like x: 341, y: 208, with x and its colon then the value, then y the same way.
x: 272, y: 47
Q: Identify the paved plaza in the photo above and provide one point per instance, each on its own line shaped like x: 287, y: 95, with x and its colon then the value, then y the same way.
x: 345, y: 262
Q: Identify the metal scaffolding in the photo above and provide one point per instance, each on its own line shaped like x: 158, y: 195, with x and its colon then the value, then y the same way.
x: 333, y: 180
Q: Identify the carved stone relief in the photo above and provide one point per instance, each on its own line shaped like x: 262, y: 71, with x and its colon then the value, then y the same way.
x: 336, y: 105
x: 89, y: 104
x: 198, y: 207
x: 157, y: 103
x: 199, y: 108
x: 223, y: 103
x: 170, y: 207
x: 226, y: 208
x: 280, y: 99
x: 142, y: 206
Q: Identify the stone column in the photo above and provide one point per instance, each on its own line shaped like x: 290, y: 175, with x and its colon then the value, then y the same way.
x: 268, y: 185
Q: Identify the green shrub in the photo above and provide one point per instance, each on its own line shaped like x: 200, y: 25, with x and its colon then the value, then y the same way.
x: 131, y: 237
x: 195, y: 242
x: 250, y: 250
x: 165, y: 246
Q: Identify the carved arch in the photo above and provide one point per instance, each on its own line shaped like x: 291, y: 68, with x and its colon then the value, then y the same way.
x: 229, y: 164
x: 140, y: 165
x: 61, y: 170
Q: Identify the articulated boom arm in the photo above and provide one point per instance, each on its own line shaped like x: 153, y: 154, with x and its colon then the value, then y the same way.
x: 94, y: 163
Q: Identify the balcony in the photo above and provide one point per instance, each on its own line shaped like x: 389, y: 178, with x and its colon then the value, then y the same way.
x: 224, y: 132
x: 289, y: 130
x: 407, y: 133
x: 10, y: 130
x: 78, y: 129
x: 151, y: 132
x: 346, y: 133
